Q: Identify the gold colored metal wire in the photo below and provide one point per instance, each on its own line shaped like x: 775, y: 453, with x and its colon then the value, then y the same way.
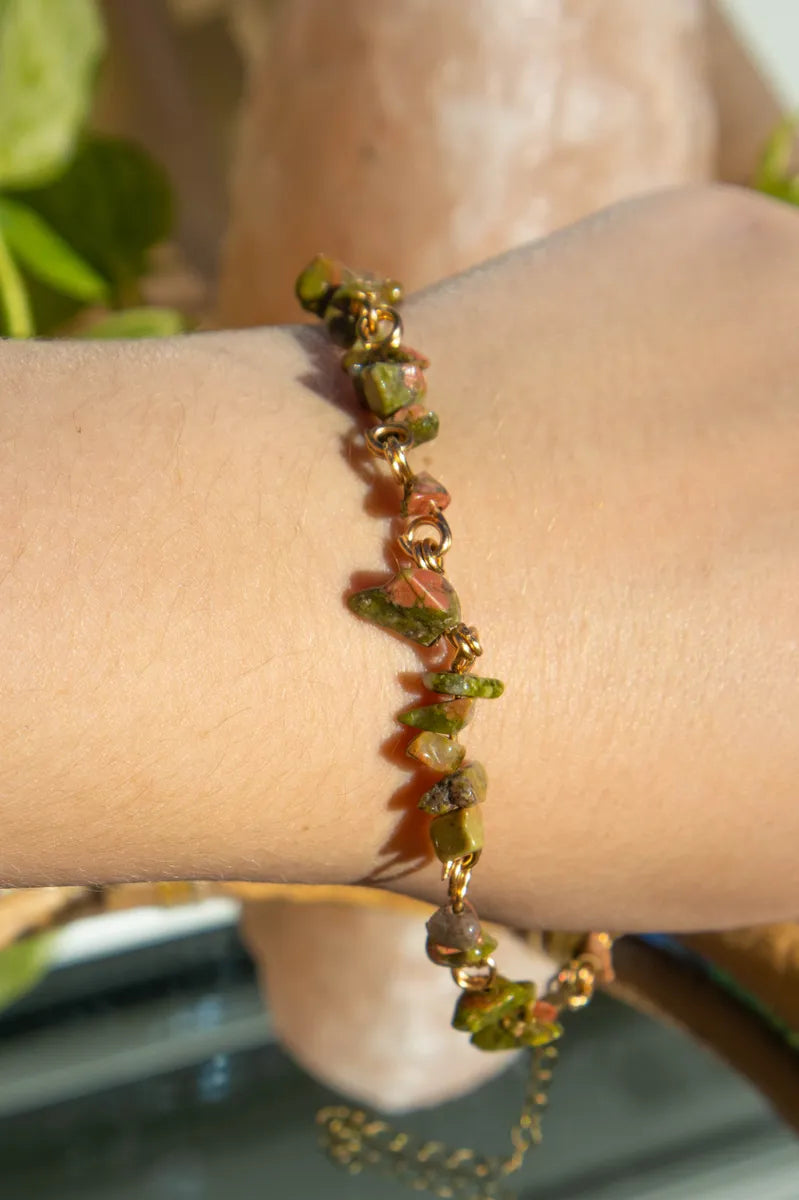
x: 457, y: 874
x: 379, y: 436
x: 368, y: 326
x: 400, y: 467
x: 361, y: 300
x: 574, y: 984
x: 475, y: 979
x: 425, y: 551
x: 466, y: 642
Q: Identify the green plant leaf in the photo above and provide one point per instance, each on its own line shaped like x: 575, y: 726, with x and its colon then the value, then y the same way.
x: 15, y: 304
x: 23, y: 965
x: 138, y: 323
x: 775, y: 175
x: 111, y: 205
x: 49, y: 50
x: 47, y: 256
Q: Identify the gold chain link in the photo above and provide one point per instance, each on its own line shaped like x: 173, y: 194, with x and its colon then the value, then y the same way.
x: 466, y: 642
x: 381, y: 436
x: 426, y: 551
x: 355, y: 1140
x: 574, y: 985
x: 370, y: 319
x: 394, y: 454
x: 457, y: 875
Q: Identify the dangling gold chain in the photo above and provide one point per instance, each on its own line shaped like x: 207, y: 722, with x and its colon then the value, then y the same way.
x: 354, y: 1140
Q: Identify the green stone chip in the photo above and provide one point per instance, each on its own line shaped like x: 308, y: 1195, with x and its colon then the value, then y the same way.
x: 453, y: 684
x: 448, y: 717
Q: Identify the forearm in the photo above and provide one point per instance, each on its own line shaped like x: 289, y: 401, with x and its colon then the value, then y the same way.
x: 171, y: 612
x: 185, y: 694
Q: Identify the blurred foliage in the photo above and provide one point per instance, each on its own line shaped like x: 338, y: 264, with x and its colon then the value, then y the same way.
x: 778, y: 171
x: 49, y: 53
x: 138, y: 323
x: 23, y: 965
x: 79, y: 213
x: 48, y: 257
x: 112, y: 204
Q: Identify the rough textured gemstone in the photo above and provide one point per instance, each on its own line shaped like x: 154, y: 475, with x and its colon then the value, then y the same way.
x: 506, y: 1016
x: 417, y: 603
x: 437, y: 751
x: 458, y: 931
x: 462, y: 789
x: 518, y: 1034
x: 387, y: 386
x: 479, y: 1010
x: 316, y: 284
x: 453, y: 684
x: 448, y: 717
x: 423, y: 424
x: 456, y: 834
x: 423, y: 495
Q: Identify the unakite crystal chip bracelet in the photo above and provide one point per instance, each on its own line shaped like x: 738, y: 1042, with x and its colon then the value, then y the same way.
x: 420, y: 603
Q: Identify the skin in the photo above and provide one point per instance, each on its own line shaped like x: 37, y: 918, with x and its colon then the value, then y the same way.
x: 184, y: 693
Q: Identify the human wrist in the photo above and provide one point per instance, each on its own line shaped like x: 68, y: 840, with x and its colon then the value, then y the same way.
x: 170, y: 560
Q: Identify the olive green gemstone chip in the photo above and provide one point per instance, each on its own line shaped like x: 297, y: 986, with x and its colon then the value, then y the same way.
x: 387, y: 378
x: 423, y: 426
x: 387, y: 386
x: 461, y: 789
x: 437, y: 751
x: 498, y: 1037
x: 456, y: 834
x: 330, y: 290
x: 416, y: 603
x: 453, y: 684
x: 316, y: 284
x: 505, y: 1017
x: 478, y: 1010
x: 448, y: 717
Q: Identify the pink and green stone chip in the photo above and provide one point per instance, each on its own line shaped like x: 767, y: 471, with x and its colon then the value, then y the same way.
x: 417, y: 603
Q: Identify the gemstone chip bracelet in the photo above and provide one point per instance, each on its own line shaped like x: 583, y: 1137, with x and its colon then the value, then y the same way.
x: 361, y: 315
